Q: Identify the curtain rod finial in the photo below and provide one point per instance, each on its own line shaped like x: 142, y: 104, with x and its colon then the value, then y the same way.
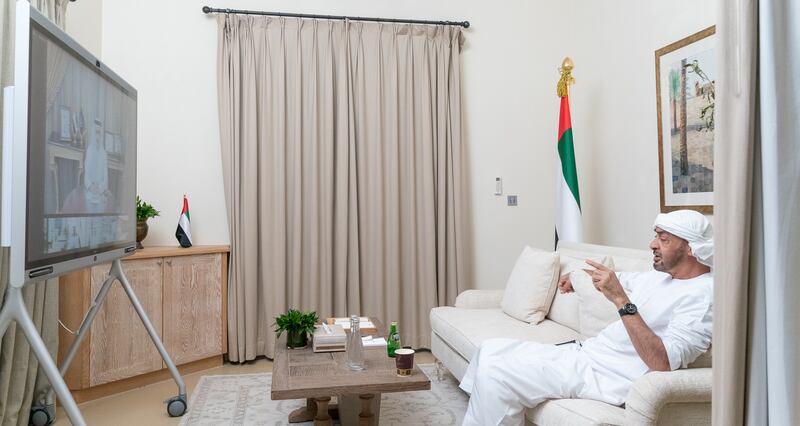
x: 466, y: 24
x: 206, y: 9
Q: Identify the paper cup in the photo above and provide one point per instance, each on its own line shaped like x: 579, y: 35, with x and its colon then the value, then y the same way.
x: 404, y: 360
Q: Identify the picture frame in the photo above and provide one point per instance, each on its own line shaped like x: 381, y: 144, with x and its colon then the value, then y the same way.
x: 685, y: 100
x: 65, y: 124
x: 78, y: 128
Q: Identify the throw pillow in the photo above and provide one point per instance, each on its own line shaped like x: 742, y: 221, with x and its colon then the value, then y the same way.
x: 595, y: 312
x: 531, y: 286
x: 569, y: 263
x: 564, y: 309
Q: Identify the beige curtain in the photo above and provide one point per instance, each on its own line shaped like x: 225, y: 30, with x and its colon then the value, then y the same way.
x: 20, y: 378
x: 343, y: 160
x: 734, y: 162
x: 757, y: 299
x: 57, y: 62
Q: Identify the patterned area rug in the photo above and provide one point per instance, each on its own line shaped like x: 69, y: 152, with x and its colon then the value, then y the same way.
x: 244, y: 400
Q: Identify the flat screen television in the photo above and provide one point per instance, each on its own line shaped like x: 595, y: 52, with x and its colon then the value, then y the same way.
x: 72, y: 177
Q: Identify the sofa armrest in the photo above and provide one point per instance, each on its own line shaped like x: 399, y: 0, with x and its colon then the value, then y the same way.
x: 479, y: 299
x: 653, y: 391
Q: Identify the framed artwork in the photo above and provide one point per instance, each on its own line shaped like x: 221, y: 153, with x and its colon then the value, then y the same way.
x: 78, y: 128
x: 65, y: 119
x: 685, y: 79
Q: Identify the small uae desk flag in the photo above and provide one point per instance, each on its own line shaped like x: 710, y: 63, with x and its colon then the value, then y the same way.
x: 568, y: 199
x: 184, y: 232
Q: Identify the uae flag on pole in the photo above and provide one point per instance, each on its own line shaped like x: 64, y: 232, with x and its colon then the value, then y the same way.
x: 568, y: 199
x: 184, y: 232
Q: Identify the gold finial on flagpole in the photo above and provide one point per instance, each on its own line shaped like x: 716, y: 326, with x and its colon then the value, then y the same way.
x: 566, y: 80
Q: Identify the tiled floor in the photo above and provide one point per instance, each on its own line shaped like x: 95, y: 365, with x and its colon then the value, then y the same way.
x: 145, y: 406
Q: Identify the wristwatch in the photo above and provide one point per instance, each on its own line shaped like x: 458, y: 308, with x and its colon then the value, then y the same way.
x: 628, y: 309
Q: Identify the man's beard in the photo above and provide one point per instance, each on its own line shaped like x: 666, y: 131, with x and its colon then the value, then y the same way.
x: 666, y: 263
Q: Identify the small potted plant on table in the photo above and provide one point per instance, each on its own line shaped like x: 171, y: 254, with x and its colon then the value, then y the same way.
x: 144, y: 211
x: 297, y: 326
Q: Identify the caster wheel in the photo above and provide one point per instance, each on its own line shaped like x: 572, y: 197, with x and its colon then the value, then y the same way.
x: 176, y: 406
x: 40, y: 417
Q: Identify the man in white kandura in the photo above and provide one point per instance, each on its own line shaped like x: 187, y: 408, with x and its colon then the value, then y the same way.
x: 665, y: 324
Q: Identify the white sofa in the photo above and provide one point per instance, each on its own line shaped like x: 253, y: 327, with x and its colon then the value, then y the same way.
x: 681, y: 397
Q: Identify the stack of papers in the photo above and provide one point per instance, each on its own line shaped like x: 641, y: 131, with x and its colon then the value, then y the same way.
x: 364, y: 324
x: 333, y: 338
x: 373, y: 342
x: 329, y: 338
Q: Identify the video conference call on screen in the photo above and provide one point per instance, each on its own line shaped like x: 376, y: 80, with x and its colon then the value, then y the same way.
x: 80, y: 179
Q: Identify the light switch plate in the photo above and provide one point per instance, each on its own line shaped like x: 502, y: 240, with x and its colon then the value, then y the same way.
x: 512, y: 200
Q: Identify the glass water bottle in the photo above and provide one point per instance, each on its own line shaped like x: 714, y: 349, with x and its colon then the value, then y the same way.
x: 355, y: 347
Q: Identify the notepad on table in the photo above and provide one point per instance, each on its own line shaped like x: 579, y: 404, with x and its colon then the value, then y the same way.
x: 365, y: 325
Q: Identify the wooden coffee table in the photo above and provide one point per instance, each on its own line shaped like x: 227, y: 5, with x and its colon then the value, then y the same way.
x: 316, y: 377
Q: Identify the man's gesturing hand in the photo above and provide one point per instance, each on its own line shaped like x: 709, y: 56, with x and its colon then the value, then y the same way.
x: 605, y: 281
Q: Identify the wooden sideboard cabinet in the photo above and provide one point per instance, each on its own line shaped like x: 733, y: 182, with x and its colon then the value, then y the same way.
x: 183, y: 291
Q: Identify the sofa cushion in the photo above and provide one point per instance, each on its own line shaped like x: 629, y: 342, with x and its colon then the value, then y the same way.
x: 595, y: 311
x: 465, y: 329
x: 569, y: 263
x: 574, y: 412
x: 564, y: 309
x: 625, y: 259
x: 531, y: 285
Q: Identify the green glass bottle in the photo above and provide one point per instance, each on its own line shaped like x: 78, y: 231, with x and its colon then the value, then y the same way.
x: 393, y: 341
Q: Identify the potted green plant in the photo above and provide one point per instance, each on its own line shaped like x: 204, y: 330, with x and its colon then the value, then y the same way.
x: 297, y: 326
x: 144, y: 211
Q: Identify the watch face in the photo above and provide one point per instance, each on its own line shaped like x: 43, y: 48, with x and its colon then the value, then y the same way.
x: 630, y: 308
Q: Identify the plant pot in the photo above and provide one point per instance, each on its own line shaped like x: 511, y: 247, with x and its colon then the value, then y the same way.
x: 296, y: 339
x: 141, y: 232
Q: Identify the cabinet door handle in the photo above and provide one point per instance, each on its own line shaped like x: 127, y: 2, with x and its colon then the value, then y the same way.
x: 169, y: 262
x: 158, y: 262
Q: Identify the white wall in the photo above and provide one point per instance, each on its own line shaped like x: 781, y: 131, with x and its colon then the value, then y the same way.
x: 509, y: 69
x: 85, y: 24
x: 614, y: 110
x: 168, y: 51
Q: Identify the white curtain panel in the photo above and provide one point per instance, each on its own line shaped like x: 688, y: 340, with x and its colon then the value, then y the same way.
x: 779, y: 100
x: 757, y: 199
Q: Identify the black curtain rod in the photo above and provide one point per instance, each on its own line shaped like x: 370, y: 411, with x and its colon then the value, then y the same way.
x: 207, y: 9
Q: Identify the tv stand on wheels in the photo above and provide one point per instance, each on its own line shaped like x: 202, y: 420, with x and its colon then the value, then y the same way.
x: 44, y: 412
x: 53, y: 228
x: 14, y: 310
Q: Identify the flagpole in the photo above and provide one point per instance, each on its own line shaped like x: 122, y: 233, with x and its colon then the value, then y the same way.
x: 562, y: 91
